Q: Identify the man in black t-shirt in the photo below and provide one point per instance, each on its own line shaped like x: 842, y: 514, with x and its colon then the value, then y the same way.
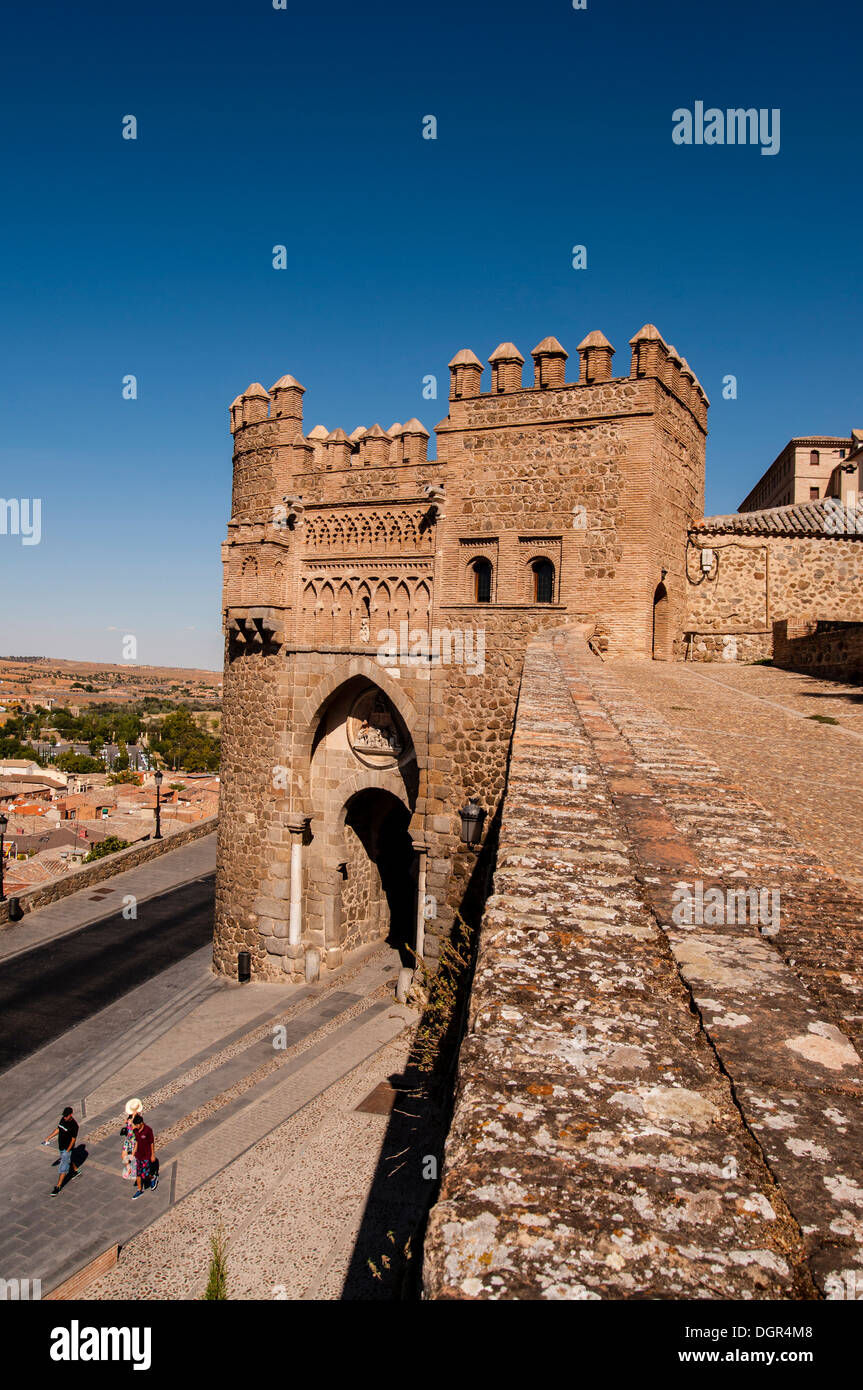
x: 67, y: 1133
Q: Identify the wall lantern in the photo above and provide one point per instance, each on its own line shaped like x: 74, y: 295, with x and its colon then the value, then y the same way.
x: 471, y: 822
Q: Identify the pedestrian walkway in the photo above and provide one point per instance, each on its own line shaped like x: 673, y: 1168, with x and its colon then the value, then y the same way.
x: 82, y: 909
x: 199, y: 1051
x: 756, y: 723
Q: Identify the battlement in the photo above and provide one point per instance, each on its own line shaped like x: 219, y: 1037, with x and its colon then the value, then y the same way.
x: 651, y: 357
x: 273, y: 420
x: 550, y: 503
x: 329, y: 450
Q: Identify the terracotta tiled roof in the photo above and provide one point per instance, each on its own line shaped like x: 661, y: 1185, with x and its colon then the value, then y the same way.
x: 823, y: 518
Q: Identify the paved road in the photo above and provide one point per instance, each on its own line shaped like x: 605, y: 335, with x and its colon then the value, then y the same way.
x: 46, y: 991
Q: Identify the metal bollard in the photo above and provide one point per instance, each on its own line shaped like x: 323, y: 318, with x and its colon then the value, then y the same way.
x: 244, y: 967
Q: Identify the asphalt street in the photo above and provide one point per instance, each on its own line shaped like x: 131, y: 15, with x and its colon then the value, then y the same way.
x: 46, y: 991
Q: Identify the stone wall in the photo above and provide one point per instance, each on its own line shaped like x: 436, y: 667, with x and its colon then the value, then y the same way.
x: 831, y: 650
x: 86, y: 875
x: 646, y: 1109
x: 250, y: 750
x: 754, y: 582
x: 601, y: 479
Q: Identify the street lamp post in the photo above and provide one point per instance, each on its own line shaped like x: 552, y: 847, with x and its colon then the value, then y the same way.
x: 4, y: 821
x: 158, y: 780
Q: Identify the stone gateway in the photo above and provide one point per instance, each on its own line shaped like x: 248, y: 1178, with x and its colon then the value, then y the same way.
x: 349, y: 753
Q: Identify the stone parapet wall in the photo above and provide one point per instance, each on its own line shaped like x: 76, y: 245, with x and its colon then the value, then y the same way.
x: 88, y: 875
x: 646, y: 1109
x: 831, y: 650
x: 727, y: 646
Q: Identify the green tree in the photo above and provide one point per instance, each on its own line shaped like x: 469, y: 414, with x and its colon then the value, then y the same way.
x: 182, y: 745
x: 78, y: 762
x: 11, y: 747
x: 109, y: 845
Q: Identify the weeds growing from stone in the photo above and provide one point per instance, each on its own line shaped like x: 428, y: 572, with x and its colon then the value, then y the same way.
x: 442, y: 992
x: 217, y: 1283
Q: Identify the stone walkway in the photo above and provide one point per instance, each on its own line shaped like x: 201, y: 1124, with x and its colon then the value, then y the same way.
x: 755, y: 723
x: 650, y: 1107
x: 200, y: 1052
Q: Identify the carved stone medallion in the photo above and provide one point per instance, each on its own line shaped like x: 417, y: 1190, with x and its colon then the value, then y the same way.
x: 372, y: 732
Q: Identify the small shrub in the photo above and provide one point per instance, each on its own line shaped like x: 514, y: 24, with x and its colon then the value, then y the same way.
x: 217, y: 1282
x: 440, y: 993
x: 110, y: 845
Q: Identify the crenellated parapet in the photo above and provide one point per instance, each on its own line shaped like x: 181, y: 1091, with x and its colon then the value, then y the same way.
x: 652, y: 359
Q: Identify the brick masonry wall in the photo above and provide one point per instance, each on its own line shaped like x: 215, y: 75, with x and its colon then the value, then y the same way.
x: 830, y: 651
x: 101, y: 869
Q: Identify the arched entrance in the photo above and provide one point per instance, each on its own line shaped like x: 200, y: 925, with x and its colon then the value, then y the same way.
x: 661, y: 625
x: 378, y: 898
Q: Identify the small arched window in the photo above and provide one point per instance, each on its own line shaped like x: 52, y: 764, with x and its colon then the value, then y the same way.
x: 482, y: 581
x: 815, y: 458
x: 543, y: 581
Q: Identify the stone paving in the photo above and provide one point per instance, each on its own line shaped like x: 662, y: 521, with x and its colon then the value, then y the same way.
x: 214, y: 1086
x: 291, y: 1207
x: 754, y: 722
x: 648, y: 1108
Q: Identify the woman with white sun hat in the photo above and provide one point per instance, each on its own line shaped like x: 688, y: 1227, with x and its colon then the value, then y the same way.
x: 133, y: 1108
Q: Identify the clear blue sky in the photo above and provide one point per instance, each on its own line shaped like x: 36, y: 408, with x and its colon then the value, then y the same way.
x: 302, y: 126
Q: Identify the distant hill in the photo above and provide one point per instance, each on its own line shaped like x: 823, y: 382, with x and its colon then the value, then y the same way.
x: 42, y: 678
